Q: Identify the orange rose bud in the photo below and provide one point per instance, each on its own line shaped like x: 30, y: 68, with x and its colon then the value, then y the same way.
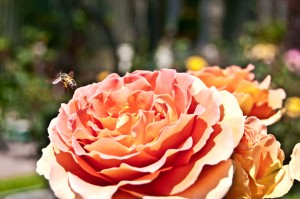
x: 258, y: 160
x: 255, y: 99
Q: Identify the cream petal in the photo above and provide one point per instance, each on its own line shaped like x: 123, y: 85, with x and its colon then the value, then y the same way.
x: 294, y: 165
x: 43, y: 164
x: 164, y: 197
x: 275, y: 98
x: 59, y: 182
x: 233, y: 115
x: 197, y: 86
x: 265, y: 83
x: 90, y: 191
x: 273, y: 119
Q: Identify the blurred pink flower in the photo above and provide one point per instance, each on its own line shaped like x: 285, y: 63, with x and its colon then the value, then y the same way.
x: 292, y: 60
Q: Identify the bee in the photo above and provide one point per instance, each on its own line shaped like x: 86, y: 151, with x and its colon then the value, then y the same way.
x: 66, y: 79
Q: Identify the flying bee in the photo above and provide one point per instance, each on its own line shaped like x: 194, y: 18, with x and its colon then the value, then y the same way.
x: 66, y: 79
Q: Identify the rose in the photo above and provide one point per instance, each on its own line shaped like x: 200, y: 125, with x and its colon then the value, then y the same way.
x: 157, y: 133
x: 259, y: 170
x: 255, y: 99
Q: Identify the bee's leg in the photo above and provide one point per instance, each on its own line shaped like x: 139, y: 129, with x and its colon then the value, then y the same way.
x: 66, y: 86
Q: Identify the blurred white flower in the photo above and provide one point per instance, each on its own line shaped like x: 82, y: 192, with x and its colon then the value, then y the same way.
x: 125, y: 53
x: 210, y: 52
x: 164, y: 56
x: 39, y: 49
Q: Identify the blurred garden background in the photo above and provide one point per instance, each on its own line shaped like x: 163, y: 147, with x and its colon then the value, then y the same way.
x: 40, y: 38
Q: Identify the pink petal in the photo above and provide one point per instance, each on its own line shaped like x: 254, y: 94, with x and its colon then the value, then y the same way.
x: 165, y: 81
x: 210, y: 99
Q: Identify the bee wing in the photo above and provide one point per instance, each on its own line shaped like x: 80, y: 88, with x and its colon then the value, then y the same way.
x: 56, y: 81
x: 71, y: 74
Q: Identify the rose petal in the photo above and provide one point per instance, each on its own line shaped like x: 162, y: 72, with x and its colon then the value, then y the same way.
x: 164, y: 82
x: 265, y: 83
x: 56, y: 175
x: 294, y: 165
x: 43, y: 167
x: 180, y: 178
x: 172, y: 136
x: 233, y: 115
x: 275, y: 98
x: 164, y: 197
x: 55, y: 137
x: 283, y: 183
x: 240, y: 187
x: 158, y: 164
x: 90, y: 191
x: 273, y: 119
x: 212, y: 112
x: 213, y: 183
x: 108, y: 146
x: 59, y: 182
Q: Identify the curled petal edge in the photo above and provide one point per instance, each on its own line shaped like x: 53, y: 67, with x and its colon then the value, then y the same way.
x: 294, y: 165
x: 284, y: 185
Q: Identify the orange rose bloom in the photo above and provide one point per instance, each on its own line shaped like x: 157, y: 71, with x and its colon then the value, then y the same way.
x: 255, y: 99
x: 259, y: 170
x: 146, y: 134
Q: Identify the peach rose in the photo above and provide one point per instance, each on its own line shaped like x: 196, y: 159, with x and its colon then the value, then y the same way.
x: 255, y: 99
x: 258, y: 160
x: 146, y: 134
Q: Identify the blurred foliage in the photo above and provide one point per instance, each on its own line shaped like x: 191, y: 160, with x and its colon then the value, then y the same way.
x: 254, y: 34
x: 21, y: 183
x: 24, y: 87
